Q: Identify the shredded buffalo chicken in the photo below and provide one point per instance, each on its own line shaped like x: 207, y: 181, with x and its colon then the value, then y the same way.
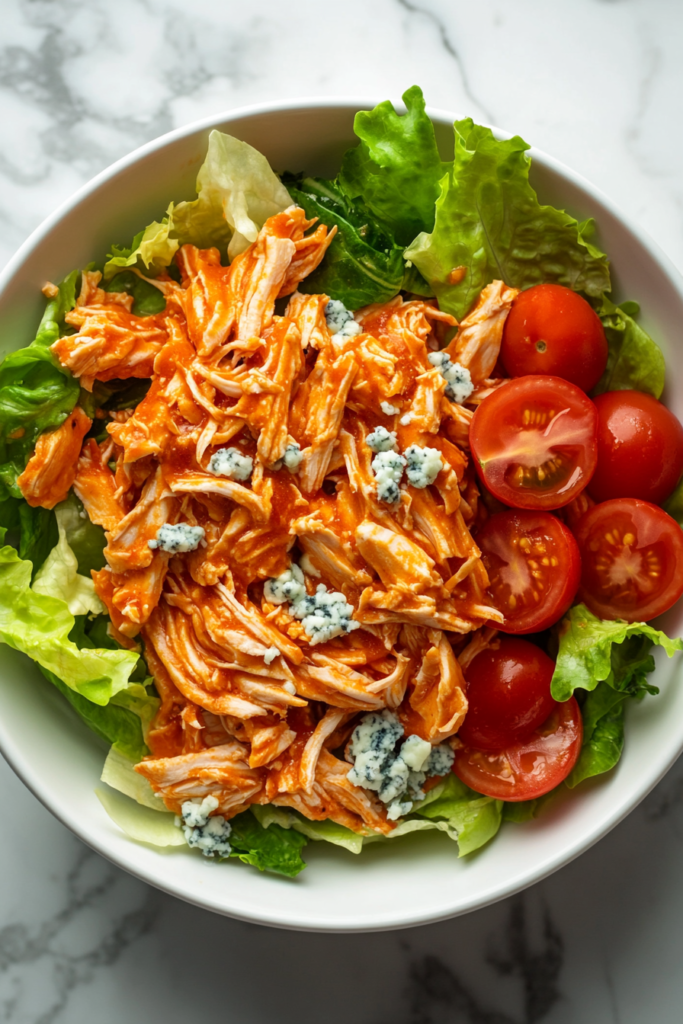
x: 252, y: 709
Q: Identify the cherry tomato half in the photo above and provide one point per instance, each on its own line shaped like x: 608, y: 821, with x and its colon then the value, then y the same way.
x: 508, y: 694
x: 534, y: 442
x: 631, y: 558
x: 550, y: 329
x: 640, y: 448
x: 534, y: 568
x: 529, y: 768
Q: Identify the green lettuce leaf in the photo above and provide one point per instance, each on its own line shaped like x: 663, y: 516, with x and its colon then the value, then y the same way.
x: 38, y: 533
x: 59, y: 576
x: 33, y: 531
x: 122, y: 722
x: 635, y: 361
x: 141, y: 823
x: 119, y: 773
x: 268, y: 849
x: 236, y: 193
x: 319, y: 831
x: 451, y: 807
x: 520, y: 811
x: 674, y: 504
x: 147, y: 299
x: 470, y: 818
x: 603, y: 733
x: 39, y: 626
x: 591, y: 650
x: 363, y: 264
x: 36, y: 392
x: 489, y: 221
x: 86, y: 539
x: 396, y: 168
x: 611, y: 660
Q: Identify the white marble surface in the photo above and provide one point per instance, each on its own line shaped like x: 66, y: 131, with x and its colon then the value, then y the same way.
x: 597, y: 84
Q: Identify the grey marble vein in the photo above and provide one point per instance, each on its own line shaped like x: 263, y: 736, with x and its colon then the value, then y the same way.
x: 437, y: 992
x: 90, y: 884
x: 444, y: 37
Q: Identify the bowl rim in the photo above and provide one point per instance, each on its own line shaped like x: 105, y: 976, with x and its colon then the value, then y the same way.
x: 24, y: 769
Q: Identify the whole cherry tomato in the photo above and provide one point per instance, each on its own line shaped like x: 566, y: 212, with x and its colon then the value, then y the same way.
x: 640, y: 448
x: 552, y: 330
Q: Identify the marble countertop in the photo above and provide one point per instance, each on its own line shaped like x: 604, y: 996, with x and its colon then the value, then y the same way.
x: 596, y: 83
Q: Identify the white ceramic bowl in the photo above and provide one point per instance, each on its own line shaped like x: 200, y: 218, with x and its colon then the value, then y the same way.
x: 419, y: 878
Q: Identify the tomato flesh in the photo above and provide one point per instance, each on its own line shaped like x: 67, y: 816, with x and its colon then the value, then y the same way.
x: 508, y: 694
x: 552, y: 330
x: 529, y: 768
x: 534, y: 568
x: 640, y: 448
x: 534, y: 442
x: 631, y: 557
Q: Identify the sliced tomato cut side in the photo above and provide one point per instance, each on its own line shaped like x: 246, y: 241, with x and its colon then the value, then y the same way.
x: 534, y: 568
x: 531, y: 768
x: 631, y: 558
x: 534, y: 442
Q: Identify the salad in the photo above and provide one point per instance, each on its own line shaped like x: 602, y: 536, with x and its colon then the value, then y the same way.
x: 339, y: 509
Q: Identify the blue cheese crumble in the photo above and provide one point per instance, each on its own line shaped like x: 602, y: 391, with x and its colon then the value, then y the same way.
x: 459, y: 384
x: 232, y: 463
x: 323, y: 615
x: 424, y: 465
x: 382, y: 440
x: 388, y: 409
x: 388, y: 470
x: 340, y: 320
x: 292, y: 457
x: 288, y: 586
x: 177, y: 538
x: 205, y: 833
x: 396, y: 774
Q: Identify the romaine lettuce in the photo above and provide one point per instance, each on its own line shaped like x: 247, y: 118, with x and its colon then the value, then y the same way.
x: 396, y: 167
x: 268, y: 849
x: 119, y: 773
x: 236, y: 193
x: 603, y: 733
x: 490, y: 223
x: 147, y: 299
x: 36, y: 392
x: 592, y: 650
x: 611, y: 660
x: 635, y: 361
x: 59, y: 576
x: 468, y: 817
x: 86, y: 539
x: 325, y: 831
x: 275, y: 848
x: 674, y: 504
x: 39, y: 626
x: 363, y: 264
x: 122, y: 722
x: 141, y: 823
x: 451, y: 807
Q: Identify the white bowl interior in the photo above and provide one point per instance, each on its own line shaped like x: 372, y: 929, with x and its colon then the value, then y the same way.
x: 419, y: 878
